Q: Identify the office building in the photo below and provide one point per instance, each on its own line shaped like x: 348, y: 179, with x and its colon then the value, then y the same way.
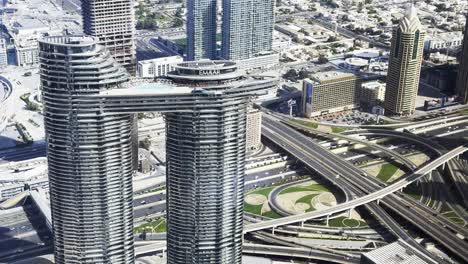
x: 113, y: 22
x: 201, y: 29
x: 405, y: 65
x: 3, y: 52
x: 88, y: 120
x: 329, y: 92
x: 157, y: 67
x: 462, y: 79
x: 372, y: 93
x: 247, y: 28
x: 254, y: 129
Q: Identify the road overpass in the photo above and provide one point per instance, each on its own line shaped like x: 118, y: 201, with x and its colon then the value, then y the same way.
x: 406, y: 162
x: 305, y: 151
x: 397, y: 186
x: 309, y: 152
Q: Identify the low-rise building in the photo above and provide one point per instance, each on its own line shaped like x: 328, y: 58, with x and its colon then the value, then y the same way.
x: 157, y: 67
x: 260, y: 61
x: 3, y: 53
x: 395, y: 253
x: 253, y: 129
x: 372, y: 93
x: 443, y: 41
x: 329, y: 92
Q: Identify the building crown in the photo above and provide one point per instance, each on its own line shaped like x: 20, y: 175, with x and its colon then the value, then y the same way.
x: 410, y: 22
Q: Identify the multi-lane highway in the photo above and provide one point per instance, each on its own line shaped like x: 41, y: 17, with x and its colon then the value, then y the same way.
x: 288, y: 138
x: 38, y: 149
x: 295, y: 143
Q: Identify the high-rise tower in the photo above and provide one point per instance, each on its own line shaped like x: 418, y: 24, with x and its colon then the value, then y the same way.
x: 247, y: 28
x: 462, y: 82
x: 89, y: 154
x: 405, y: 65
x: 113, y: 22
x: 201, y: 29
x: 88, y: 105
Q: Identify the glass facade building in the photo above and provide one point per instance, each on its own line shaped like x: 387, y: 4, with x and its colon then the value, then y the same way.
x: 88, y: 107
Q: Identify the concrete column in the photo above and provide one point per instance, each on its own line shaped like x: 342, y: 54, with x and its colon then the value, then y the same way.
x: 328, y: 219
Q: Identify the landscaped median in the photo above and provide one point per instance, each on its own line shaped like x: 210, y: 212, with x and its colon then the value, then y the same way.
x: 256, y: 202
x: 157, y: 226
x: 321, y: 127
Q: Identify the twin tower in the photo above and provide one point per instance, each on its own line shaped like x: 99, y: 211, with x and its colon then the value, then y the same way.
x: 89, y: 104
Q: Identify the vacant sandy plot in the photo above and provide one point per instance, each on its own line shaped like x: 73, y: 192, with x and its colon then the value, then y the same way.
x: 419, y: 159
x: 255, y: 199
x: 300, y: 208
x: 373, y: 170
x: 288, y: 201
x: 323, y: 201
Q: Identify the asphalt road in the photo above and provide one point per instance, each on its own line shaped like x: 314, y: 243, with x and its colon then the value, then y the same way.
x: 354, y: 178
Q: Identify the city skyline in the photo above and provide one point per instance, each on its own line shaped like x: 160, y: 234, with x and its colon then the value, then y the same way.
x: 133, y: 132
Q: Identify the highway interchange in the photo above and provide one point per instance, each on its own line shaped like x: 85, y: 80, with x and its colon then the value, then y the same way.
x: 340, y: 170
x: 305, y: 144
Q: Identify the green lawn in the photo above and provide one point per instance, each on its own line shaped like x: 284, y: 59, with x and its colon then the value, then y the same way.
x: 344, y: 222
x: 386, y: 172
x: 263, y: 191
x: 463, y: 112
x: 312, y: 187
x: 253, y: 209
x: 257, y: 209
x: 305, y: 123
x: 158, y: 189
x: 272, y: 214
x: 307, y: 200
x: 158, y: 226
x: 338, y: 129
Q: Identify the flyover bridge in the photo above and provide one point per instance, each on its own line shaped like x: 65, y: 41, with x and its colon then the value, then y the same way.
x: 300, y: 218
x: 407, y: 163
x: 347, y: 175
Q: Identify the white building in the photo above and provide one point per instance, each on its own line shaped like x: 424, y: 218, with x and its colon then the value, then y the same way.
x: 443, y: 41
x: 253, y: 129
x: 372, y: 93
x: 3, y: 53
x: 157, y: 67
x: 25, y: 33
x: 261, y: 61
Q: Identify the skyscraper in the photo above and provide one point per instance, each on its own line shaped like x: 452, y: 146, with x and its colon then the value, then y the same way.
x: 462, y: 82
x: 88, y: 109
x: 89, y: 154
x: 201, y: 29
x: 405, y: 65
x: 247, y: 28
x: 113, y: 22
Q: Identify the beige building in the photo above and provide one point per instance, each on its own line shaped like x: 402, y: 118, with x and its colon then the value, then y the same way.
x: 405, y: 65
x: 254, y: 129
x: 329, y: 92
x: 372, y: 93
x: 462, y: 83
